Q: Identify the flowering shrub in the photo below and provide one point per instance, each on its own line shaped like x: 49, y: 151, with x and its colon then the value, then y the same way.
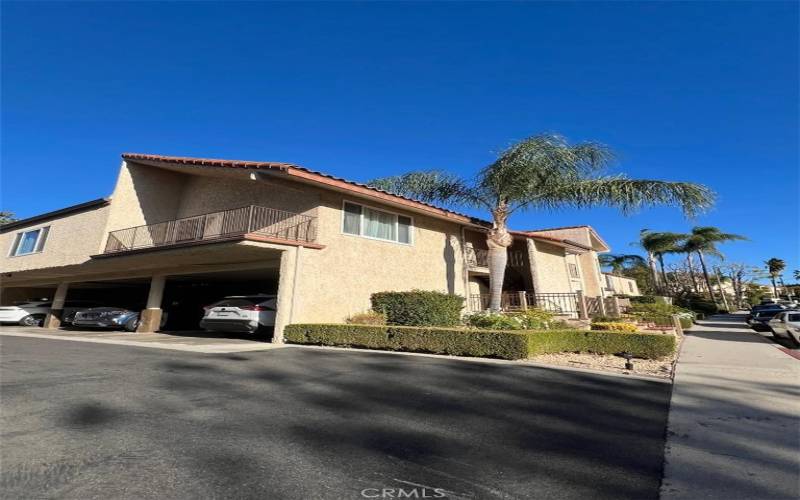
x: 617, y: 327
x: 532, y: 319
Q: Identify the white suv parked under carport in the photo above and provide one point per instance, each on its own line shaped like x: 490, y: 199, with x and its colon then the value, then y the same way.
x: 241, y: 313
x: 30, y: 313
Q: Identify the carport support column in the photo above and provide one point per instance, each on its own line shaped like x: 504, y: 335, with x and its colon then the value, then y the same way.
x: 290, y: 268
x: 53, y: 318
x: 150, y: 318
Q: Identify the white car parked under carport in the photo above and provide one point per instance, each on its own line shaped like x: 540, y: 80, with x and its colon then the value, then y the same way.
x: 30, y: 313
x: 241, y: 313
x: 33, y: 312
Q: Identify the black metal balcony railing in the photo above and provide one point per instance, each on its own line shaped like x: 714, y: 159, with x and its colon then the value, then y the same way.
x: 479, y: 257
x: 253, y: 219
x: 557, y: 303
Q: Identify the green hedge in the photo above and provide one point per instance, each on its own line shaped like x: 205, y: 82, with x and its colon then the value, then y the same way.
x: 640, y: 345
x: 419, y: 307
x: 455, y: 342
x: 481, y: 343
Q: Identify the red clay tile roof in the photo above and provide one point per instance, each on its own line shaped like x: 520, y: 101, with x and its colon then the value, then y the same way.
x: 310, y: 175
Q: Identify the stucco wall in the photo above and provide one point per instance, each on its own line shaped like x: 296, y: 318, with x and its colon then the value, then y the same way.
x: 145, y: 195
x: 338, y: 280
x: 204, y: 194
x: 551, y: 269
x: 620, y: 284
x: 71, y: 240
x: 590, y: 274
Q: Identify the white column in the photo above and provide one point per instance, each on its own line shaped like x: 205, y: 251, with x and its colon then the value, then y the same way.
x: 286, y: 289
x: 156, y: 292
x: 53, y: 318
x: 150, y: 318
x: 60, y: 296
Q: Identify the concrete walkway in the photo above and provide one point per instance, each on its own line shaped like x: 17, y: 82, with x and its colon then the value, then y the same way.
x: 734, y: 421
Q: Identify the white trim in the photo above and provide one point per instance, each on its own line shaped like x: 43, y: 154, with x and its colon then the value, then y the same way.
x: 17, y: 241
x: 411, y: 232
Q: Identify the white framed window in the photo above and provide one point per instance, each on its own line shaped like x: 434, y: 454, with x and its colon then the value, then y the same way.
x: 31, y: 241
x: 373, y: 223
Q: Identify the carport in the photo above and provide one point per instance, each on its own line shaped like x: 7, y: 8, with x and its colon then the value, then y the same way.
x: 178, y: 281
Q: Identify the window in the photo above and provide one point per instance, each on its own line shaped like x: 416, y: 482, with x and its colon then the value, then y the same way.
x: 371, y: 223
x: 29, y: 241
x: 630, y: 286
x: 573, y: 271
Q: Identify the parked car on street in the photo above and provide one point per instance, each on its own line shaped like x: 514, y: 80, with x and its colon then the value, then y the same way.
x: 117, y: 318
x: 244, y: 313
x: 759, y: 320
x: 786, y: 324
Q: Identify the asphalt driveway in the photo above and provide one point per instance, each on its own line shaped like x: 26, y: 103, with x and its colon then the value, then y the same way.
x: 82, y: 420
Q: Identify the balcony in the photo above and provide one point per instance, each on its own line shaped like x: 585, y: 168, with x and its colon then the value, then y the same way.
x: 251, y: 222
x: 479, y: 258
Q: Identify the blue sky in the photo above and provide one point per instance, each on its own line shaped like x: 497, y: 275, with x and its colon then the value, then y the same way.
x: 704, y: 92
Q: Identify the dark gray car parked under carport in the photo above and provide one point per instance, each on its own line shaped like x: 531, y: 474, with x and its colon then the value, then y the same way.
x: 82, y: 420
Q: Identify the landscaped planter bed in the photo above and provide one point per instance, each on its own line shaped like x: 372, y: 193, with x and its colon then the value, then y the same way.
x: 520, y: 344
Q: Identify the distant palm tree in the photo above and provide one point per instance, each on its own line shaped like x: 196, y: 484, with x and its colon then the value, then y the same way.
x: 618, y: 262
x: 797, y: 274
x: 545, y: 172
x: 775, y: 267
x: 6, y: 217
x: 657, y: 244
x: 703, y: 241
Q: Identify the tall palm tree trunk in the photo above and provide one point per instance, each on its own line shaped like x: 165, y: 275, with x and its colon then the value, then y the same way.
x: 774, y: 287
x: 498, y: 241
x: 651, y: 261
x: 663, y: 271
x: 705, y: 275
x: 690, y: 263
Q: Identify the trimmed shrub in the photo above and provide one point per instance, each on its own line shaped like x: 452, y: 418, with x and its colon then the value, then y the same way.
x: 419, y: 308
x: 367, y: 318
x: 643, y: 299
x: 614, y: 326
x: 455, y: 342
x: 686, y: 322
x: 640, y: 345
x: 481, y: 343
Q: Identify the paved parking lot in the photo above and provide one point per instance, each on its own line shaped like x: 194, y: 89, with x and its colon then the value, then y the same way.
x: 200, y: 341
x: 86, y: 420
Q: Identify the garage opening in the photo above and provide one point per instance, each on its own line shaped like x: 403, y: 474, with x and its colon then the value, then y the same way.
x: 186, y: 296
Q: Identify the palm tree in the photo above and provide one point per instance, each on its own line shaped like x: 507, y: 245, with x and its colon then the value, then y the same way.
x: 6, y: 217
x: 656, y: 244
x: 545, y: 172
x: 618, y: 262
x: 796, y: 274
x: 703, y: 241
x: 775, y: 267
x: 688, y: 248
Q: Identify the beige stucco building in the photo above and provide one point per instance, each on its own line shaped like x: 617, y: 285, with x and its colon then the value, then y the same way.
x: 179, y: 231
